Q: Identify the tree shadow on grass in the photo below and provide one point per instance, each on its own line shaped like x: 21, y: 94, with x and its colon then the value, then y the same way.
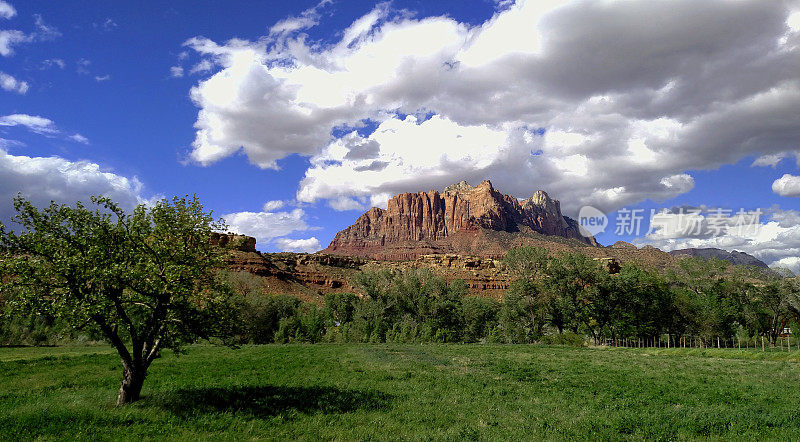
x: 265, y: 401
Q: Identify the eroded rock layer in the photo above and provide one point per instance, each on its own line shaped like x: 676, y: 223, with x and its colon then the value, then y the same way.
x: 458, y: 220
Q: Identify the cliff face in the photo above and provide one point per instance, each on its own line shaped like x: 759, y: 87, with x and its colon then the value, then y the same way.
x: 416, y: 224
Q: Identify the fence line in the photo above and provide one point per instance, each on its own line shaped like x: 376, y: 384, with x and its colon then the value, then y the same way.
x: 783, y: 343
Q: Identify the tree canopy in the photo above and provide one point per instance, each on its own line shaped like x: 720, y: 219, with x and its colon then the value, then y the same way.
x: 146, y: 280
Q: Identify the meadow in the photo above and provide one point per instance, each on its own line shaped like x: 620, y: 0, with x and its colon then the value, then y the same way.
x: 393, y: 391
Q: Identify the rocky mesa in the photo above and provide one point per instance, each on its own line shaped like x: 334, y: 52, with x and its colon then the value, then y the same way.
x: 461, y: 219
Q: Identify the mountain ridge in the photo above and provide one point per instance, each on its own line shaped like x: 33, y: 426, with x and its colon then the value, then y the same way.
x: 734, y: 257
x: 452, y: 221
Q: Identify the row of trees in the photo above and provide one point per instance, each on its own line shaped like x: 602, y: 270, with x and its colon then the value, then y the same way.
x: 551, y: 299
x: 409, y: 306
x: 702, y: 298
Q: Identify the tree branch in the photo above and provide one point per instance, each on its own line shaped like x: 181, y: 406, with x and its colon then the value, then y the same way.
x: 112, y: 336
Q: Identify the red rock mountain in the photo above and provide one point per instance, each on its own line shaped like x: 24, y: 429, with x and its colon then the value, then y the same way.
x: 462, y: 219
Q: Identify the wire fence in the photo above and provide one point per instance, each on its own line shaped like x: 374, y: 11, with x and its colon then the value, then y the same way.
x: 760, y: 343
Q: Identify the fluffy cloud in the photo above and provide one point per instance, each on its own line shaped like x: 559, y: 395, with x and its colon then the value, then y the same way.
x: 787, y: 185
x: 10, y: 38
x: 774, y: 240
x: 6, y: 10
x: 580, y: 98
x: 42, y: 179
x: 266, y: 226
x: 309, y: 245
x: 11, y: 84
x: 45, y: 179
x: 176, y: 72
x: 34, y: 123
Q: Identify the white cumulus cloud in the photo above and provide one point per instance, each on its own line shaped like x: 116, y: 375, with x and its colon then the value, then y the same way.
x: 771, y: 160
x: 266, y: 226
x: 787, y: 185
x: 11, y: 84
x: 42, y: 179
x: 574, y: 97
x: 309, y: 245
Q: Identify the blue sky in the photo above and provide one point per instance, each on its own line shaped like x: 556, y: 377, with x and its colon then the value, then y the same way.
x: 292, y: 118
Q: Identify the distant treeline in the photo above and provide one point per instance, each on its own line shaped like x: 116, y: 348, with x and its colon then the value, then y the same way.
x: 564, y: 299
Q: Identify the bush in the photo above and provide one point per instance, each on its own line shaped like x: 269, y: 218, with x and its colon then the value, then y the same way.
x: 262, y: 317
x: 38, y: 330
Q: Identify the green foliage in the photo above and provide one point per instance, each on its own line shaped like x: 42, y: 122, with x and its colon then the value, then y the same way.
x: 552, y: 301
x: 144, y: 280
x: 263, y: 315
x: 642, y: 304
x: 480, y: 317
x: 411, y: 306
x: 36, y: 330
x: 526, y: 262
x: 709, y: 304
x: 341, y: 306
x: 573, y: 297
x: 522, y: 317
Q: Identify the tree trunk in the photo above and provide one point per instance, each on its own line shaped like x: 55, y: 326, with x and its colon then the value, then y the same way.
x: 132, y: 381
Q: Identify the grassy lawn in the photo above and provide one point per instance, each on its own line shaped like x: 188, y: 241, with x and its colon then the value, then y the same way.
x: 451, y: 392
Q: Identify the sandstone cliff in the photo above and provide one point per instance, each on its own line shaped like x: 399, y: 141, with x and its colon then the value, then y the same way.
x: 461, y: 219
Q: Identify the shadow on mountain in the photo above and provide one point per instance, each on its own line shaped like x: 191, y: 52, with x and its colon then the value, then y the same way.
x: 266, y: 401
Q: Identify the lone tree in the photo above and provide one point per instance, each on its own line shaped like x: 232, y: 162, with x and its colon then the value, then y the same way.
x: 146, y: 280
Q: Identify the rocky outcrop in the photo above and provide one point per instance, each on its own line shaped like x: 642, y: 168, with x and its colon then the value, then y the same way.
x: 300, y: 274
x: 422, y: 223
x: 233, y: 241
x: 735, y: 257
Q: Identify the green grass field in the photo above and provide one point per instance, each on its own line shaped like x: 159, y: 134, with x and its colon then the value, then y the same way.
x: 450, y: 392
